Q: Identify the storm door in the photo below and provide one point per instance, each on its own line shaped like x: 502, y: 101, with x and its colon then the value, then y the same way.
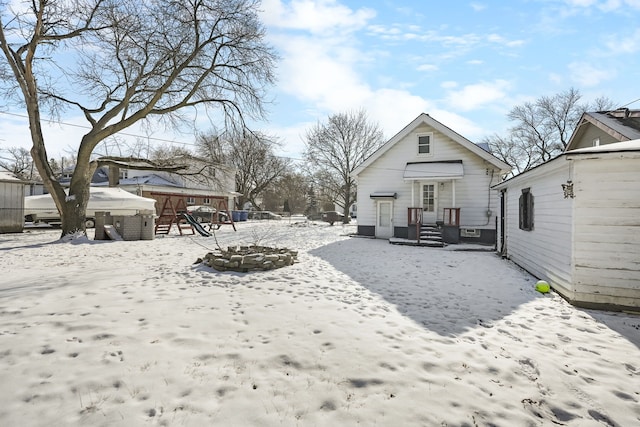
x: 429, y: 203
x: 384, y: 219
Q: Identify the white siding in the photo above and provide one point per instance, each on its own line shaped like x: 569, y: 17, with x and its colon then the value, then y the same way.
x: 546, y: 250
x: 473, y: 193
x: 11, y: 206
x: 607, y: 230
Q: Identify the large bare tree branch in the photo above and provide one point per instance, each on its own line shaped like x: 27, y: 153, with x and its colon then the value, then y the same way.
x: 120, y: 62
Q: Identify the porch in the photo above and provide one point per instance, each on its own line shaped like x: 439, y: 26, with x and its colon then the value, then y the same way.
x: 437, y: 234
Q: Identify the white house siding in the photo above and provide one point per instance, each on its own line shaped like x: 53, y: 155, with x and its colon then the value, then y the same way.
x: 607, y: 229
x: 473, y: 193
x: 592, y: 132
x: 544, y: 251
x: 11, y: 206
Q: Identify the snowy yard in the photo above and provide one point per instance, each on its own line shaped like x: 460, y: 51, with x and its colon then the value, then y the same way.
x: 357, y: 332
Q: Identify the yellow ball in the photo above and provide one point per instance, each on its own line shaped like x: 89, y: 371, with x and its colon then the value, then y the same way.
x: 542, y: 286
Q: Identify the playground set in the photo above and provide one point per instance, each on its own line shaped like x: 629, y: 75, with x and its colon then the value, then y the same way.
x: 177, y: 214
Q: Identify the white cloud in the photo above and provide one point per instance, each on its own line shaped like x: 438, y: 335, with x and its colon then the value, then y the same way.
x: 556, y: 78
x: 457, y: 123
x: 314, y: 16
x: 476, y: 95
x: 581, y: 3
x: 427, y: 67
x: 320, y: 71
x: 478, y: 6
x: 604, y: 5
x: 60, y: 139
x: 587, y: 75
x: 498, y: 39
x: 624, y: 43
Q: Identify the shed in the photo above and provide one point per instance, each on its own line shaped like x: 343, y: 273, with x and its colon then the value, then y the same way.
x: 575, y: 222
x: 11, y: 203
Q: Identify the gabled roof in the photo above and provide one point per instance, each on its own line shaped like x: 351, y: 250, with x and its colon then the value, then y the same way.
x: 8, y: 176
x: 425, y: 119
x: 616, y: 147
x: 622, y: 124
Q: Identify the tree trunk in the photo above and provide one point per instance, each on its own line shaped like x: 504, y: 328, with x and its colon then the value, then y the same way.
x: 74, y: 208
x: 347, y: 203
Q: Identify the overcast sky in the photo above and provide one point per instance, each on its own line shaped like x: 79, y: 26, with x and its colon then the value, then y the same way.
x: 464, y: 63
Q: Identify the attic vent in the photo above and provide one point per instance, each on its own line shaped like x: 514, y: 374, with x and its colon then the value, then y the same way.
x: 469, y: 232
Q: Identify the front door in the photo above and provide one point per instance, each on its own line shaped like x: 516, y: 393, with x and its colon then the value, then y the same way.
x: 429, y: 203
x: 384, y: 219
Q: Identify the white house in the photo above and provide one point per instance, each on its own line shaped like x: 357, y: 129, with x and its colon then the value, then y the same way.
x: 429, y: 183
x: 575, y: 220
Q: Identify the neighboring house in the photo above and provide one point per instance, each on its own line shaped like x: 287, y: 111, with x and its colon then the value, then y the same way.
x: 605, y: 127
x: 428, y: 180
x: 11, y: 203
x: 201, y: 184
x: 574, y: 220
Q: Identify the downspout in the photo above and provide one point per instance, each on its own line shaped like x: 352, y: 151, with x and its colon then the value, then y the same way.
x: 503, y: 247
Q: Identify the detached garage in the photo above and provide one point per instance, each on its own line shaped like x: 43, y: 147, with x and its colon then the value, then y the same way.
x: 11, y: 203
x: 575, y: 222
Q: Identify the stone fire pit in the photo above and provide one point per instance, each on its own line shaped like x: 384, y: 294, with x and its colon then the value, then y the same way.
x: 249, y: 258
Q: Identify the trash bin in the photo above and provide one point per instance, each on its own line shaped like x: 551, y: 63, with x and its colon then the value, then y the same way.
x: 244, y: 215
x: 235, y: 215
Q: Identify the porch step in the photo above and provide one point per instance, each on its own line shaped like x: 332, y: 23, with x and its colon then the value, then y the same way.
x: 430, y: 235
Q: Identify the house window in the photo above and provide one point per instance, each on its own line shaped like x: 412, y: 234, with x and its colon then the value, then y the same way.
x: 124, y: 173
x: 191, y: 200
x: 428, y: 198
x: 526, y: 210
x: 596, y: 142
x: 424, y: 144
x: 207, y: 201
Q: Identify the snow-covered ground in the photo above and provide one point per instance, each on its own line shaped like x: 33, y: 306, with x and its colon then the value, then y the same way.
x: 357, y: 332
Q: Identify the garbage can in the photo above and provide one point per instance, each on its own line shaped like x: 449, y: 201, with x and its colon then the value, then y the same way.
x: 244, y: 215
x: 235, y: 215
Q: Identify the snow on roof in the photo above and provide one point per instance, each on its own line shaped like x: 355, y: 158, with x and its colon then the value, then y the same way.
x: 633, y: 145
x: 151, y: 179
x: 8, y: 176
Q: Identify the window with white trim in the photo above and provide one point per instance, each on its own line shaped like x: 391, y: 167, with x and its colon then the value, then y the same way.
x: 191, y: 200
x: 425, y: 141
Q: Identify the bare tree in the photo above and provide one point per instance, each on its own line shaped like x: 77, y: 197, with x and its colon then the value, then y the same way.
x: 542, y: 128
x: 512, y: 151
x: 17, y: 160
x: 287, y: 193
x: 335, y: 148
x: 252, y: 156
x: 122, y: 62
